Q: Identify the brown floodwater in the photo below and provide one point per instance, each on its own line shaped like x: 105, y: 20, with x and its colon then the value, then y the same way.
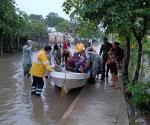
x: 145, y: 120
x: 18, y: 106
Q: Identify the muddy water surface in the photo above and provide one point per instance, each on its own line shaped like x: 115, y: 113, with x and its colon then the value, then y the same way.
x: 18, y: 107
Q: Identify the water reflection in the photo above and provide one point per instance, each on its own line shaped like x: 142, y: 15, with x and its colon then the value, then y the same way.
x: 19, y: 107
x: 143, y: 120
x: 39, y: 112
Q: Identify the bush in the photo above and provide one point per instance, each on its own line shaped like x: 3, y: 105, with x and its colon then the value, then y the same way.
x: 139, y: 96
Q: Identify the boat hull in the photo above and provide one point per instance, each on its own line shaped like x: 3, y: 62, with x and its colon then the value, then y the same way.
x: 69, y: 81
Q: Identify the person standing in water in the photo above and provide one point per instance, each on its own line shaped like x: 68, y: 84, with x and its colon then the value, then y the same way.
x: 26, y: 57
x: 39, y: 66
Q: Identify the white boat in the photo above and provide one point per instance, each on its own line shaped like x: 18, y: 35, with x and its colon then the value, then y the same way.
x: 69, y: 80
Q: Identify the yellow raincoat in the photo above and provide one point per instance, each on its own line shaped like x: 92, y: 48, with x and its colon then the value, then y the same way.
x: 40, y: 64
x: 79, y: 47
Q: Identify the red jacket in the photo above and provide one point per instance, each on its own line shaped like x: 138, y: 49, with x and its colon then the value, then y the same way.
x: 65, y: 45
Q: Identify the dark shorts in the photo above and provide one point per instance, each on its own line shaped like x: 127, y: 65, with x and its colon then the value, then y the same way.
x: 113, y: 68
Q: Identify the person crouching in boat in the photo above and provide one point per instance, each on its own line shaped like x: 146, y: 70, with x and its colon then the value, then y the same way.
x: 70, y: 64
x: 80, y: 64
x: 66, y: 56
x: 93, y: 61
x: 38, y: 69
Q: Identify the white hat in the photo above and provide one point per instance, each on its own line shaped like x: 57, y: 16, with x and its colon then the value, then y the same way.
x: 29, y: 41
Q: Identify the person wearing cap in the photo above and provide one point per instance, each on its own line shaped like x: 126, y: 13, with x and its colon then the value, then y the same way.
x: 26, y: 57
x: 105, y: 48
x: 79, y: 47
x: 39, y: 66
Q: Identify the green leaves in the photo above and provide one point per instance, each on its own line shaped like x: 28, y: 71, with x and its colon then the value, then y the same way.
x: 140, y: 97
x: 87, y: 29
x: 116, y: 15
x: 11, y: 18
x: 127, y: 18
x: 34, y: 28
x: 53, y: 19
x: 63, y: 26
x: 36, y: 17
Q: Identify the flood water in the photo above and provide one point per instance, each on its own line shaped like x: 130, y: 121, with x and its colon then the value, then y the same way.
x: 145, y: 120
x: 19, y: 107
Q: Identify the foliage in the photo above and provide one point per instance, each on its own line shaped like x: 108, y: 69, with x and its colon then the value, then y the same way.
x: 134, y: 57
x: 146, y: 46
x: 34, y: 28
x: 39, y: 28
x: 53, y: 19
x: 140, y: 97
x: 121, y: 17
x: 87, y: 30
x: 35, y: 17
x: 125, y: 18
x: 73, y: 24
x: 63, y: 26
x: 11, y: 18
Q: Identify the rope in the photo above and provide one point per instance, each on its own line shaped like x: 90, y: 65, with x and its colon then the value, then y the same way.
x: 84, y: 76
x: 63, y: 89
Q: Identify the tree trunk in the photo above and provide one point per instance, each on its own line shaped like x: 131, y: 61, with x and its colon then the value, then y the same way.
x: 126, y: 61
x: 11, y: 41
x: 1, y: 45
x: 138, y: 65
x: 142, y: 67
x: 18, y: 43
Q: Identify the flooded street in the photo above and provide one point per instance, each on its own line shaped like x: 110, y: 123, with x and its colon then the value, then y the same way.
x: 18, y: 107
x: 145, y: 120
